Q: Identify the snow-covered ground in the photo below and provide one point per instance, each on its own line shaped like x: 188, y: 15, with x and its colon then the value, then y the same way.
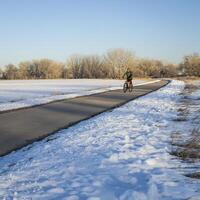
x: 26, y: 93
x: 118, y: 155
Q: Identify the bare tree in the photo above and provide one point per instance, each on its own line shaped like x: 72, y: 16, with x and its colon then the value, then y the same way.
x: 191, y: 65
x: 11, y: 72
x: 23, y: 71
x: 150, y: 68
x: 168, y: 70
x: 118, y: 60
x: 44, y: 69
x: 1, y: 74
x: 111, y: 65
x: 93, y: 67
x: 74, y: 66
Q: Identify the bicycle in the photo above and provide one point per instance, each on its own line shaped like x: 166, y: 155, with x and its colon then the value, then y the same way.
x: 128, y: 85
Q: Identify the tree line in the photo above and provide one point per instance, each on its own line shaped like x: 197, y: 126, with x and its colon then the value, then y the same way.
x: 110, y: 65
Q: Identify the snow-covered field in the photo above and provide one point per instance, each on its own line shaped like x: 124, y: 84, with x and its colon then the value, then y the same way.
x: 26, y: 93
x: 117, y: 155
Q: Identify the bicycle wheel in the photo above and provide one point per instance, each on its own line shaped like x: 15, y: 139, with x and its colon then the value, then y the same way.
x: 130, y: 87
x: 125, y: 87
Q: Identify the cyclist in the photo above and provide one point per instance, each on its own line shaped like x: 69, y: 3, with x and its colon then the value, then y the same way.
x: 129, y: 76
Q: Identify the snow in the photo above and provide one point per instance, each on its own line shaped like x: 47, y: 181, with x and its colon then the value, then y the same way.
x: 118, y: 155
x: 26, y: 93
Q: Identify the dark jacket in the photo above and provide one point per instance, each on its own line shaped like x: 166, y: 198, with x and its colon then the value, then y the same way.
x: 128, y: 75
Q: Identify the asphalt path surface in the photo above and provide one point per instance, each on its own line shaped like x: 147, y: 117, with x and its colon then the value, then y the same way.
x: 19, y: 128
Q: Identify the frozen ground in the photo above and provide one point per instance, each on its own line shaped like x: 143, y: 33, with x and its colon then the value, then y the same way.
x: 118, y: 155
x: 26, y: 93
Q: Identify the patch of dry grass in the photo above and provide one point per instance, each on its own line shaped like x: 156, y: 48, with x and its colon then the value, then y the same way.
x: 190, y: 87
x: 189, y: 149
x: 189, y: 79
x: 194, y: 175
x: 186, y: 146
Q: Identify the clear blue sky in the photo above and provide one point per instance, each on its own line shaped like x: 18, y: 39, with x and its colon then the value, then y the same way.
x: 31, y: 29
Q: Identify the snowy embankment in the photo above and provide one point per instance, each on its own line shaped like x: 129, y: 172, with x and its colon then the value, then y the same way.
x: 26, y: 93
x: 118, y: 155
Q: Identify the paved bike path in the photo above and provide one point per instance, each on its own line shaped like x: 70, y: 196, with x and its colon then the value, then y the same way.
x: 21, y: 127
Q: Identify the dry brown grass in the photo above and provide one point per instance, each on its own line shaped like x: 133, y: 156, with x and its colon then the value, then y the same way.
x: 194, y: 175
x: 189, y: 79
x: 190, y: 86
x: 186, y: 146
x: 189, y: 149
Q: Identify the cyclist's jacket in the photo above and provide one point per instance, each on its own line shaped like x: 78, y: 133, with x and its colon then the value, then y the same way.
x: 128, y: 75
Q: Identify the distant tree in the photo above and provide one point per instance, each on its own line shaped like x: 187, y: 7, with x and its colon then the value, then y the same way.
x: 50, y: 69
x: 11, y: 72
x: 152, y: 68
x: 44, y: 69
x: 191, y: 65
x: 23, y: 70
x: 93, y: 67
x: 168, y: 70
x: 112, y: 64
x: 118, y: 60
x: 1, y: 74
x: 73, y: 65
x: 66, y: 73
x: 137, y: 72
x: 90, y: 66
x: 33, y: 70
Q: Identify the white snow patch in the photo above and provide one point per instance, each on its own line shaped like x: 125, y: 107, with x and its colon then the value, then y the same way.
x: 26, y: 93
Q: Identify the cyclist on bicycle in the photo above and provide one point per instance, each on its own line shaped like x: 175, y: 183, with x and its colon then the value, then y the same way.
x: 129, y: 76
